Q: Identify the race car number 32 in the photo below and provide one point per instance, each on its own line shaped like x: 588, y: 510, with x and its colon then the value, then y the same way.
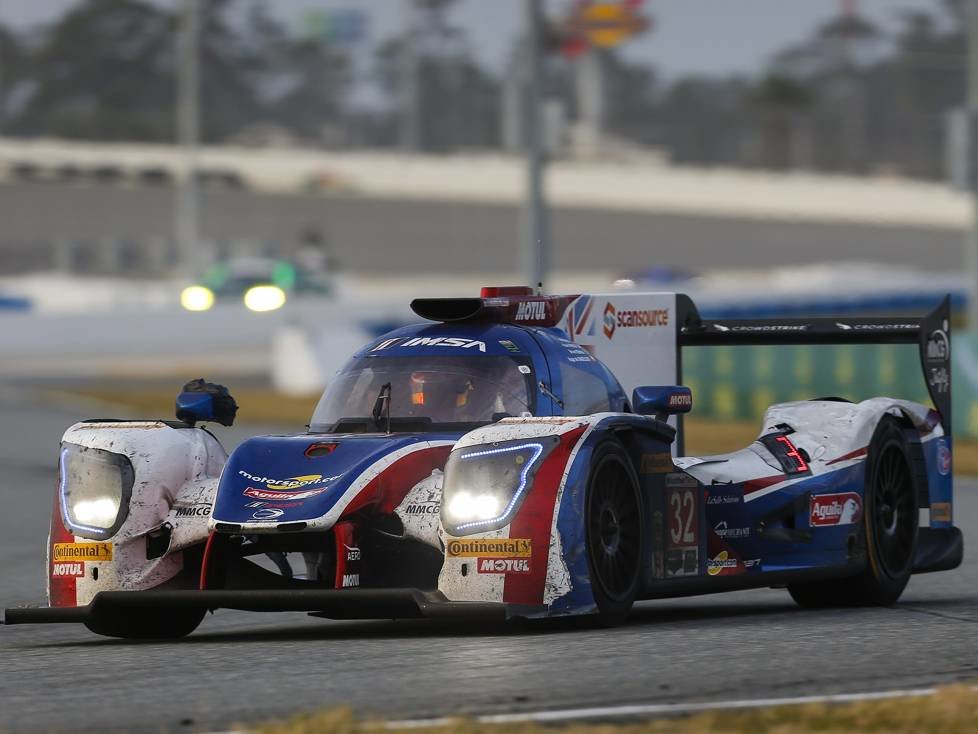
x: 683, y: 522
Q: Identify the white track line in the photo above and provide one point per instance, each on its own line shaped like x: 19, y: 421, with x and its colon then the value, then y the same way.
x: 661, y: 709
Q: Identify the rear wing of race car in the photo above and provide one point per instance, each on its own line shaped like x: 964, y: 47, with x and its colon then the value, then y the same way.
x: 931, y: 333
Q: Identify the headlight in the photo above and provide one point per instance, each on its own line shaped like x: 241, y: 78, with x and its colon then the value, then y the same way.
x: 484, y: 485
x: 264, y: 298
x: 94, y: 490
x: 196, y: 298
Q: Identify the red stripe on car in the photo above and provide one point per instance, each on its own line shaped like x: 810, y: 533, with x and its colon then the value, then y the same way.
x: 534, y: 521
x: 851, y: 455
x: 753, y: 485
x: 584, y: 317
x: 389, y: 488
x: 63, y: 592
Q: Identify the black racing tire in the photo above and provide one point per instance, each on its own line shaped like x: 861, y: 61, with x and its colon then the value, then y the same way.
x: 890, y: 520
x: 155, y: 624
x: 144, y: 624
x: 614, y: 532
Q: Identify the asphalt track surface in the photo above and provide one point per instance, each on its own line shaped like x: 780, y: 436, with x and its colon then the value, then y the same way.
x: 241, y: 667
x: 388, y: 236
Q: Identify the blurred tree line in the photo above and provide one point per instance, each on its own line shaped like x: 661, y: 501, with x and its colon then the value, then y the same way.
x: 850, y: 98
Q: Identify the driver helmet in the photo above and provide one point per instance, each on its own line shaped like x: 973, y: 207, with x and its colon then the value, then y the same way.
x: 436, y: 392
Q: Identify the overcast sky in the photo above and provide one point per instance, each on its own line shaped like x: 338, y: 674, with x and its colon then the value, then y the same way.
x: 701, y: 36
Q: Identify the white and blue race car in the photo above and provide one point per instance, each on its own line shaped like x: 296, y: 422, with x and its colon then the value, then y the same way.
x: 516, y: 455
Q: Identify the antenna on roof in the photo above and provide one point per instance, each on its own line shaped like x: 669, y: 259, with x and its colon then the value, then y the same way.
x: 540, y: 288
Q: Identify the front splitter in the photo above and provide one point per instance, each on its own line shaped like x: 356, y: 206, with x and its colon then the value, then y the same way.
x: 328, y: 603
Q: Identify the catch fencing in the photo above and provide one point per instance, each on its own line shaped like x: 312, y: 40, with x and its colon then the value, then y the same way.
x: 739, y: 383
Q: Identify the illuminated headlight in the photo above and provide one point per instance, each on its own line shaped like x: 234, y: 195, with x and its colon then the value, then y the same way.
x: 197, y: 298
x: 264, y: 298
x: 484, y: 485
x: 94, y: 490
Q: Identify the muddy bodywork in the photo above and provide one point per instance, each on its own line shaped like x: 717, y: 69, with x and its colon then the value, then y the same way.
x: 294, y: 519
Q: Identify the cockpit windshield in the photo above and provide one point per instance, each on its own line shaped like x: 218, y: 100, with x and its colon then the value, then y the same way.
x: 426, y: 393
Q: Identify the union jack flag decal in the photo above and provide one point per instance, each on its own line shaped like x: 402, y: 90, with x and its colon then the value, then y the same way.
x: 579, y: 321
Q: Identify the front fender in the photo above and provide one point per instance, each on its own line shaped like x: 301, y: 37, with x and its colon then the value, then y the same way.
x: 537, y: 564
x: 175, y: 473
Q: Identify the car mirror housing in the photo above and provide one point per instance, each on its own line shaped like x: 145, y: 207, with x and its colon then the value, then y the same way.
x: 200, y: 401
x: 662, y: 400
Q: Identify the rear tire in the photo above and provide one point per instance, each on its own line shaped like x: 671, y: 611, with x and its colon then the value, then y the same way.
x: 613, y: 530
x: 890, y: 520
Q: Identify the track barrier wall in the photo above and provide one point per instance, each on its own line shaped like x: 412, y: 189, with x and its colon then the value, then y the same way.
x: 739, y: 383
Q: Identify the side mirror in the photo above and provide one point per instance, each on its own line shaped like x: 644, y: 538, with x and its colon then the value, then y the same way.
x: 662, y: 400
x: 205, y: 401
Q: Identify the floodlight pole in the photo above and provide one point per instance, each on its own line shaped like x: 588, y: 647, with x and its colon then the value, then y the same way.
x: 971, y: 246
x: 410, y: 123
x: 187, y: 210
x: 536, y: 244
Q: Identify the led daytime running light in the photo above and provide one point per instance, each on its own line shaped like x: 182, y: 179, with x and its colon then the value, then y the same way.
x: 537, y: 450
x: 62, y: 495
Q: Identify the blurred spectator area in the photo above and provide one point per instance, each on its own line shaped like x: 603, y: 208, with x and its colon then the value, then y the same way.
x: 390, y: 212
x: 402, y: 153
x: 851, y: 97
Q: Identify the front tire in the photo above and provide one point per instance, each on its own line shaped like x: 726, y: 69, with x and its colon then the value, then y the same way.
x: 155, y: 624
x: 614, y: 532
x: 890, y: 520
x: 140, y: 624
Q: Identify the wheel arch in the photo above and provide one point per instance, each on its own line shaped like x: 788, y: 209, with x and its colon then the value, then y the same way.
x: 175, y: 474
x: 912, y: 421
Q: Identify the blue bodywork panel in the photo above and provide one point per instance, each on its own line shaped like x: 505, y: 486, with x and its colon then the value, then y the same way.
x: 276, y: 470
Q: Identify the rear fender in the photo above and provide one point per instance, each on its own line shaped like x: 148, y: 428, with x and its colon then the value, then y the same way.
x: 842, y: 432
x: 175, y: 474
x: 939, y: 543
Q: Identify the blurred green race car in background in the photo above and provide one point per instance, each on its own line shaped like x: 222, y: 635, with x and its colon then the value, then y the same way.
x: 263, y: 284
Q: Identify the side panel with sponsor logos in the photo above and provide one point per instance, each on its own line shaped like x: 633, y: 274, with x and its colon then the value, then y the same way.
x: 175, y: 480
x: 794, y: 500
x: 634, y: 334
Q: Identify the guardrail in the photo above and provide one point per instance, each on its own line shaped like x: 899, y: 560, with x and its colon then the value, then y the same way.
x: 14, y: 303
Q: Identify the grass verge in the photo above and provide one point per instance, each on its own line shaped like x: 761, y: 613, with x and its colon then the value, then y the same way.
x: 950, y: 711
x: 704, y: 436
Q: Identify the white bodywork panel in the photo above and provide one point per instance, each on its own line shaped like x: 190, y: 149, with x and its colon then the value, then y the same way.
x: 176, y: 474
x: 420, y: 512
x: 489, y: 587
x: 826, y: 430
x: 633, y: 334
